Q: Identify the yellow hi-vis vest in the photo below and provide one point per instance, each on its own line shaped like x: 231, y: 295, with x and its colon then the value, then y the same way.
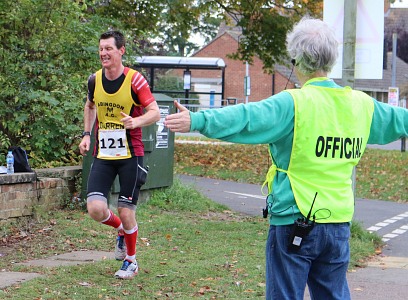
x: 331, y: 130
x: 108, y: 108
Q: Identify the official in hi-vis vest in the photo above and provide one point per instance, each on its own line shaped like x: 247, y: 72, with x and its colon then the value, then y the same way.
x: 316, y: 135
x: 118, y: 105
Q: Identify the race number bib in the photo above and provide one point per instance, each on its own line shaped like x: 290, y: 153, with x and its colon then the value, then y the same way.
x: 113, y: 143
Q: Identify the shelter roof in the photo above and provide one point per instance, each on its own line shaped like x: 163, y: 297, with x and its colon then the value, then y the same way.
x: 179, y: 62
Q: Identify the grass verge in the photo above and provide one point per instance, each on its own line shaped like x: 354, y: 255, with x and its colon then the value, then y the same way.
x: 188, y: 247
x: 381, y: 174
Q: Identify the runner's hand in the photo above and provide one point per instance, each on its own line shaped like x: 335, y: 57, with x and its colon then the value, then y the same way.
x: 85, y: 144
x: 128, y: 121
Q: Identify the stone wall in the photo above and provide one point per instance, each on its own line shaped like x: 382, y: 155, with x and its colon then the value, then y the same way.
x: 21, y: 193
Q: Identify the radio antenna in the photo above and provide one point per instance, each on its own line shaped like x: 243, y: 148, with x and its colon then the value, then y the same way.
x: 310, y: 211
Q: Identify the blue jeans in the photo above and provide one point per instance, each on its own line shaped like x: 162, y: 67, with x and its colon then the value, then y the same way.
x: 321, y: 263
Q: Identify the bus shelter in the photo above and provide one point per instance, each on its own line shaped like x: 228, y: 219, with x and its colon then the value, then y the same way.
x: 198, y: 70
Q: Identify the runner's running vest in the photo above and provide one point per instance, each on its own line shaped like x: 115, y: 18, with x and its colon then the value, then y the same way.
x: 112, y: 137
x: 331, y: 130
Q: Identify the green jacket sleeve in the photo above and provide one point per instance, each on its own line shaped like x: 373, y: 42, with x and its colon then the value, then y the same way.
x: 389, y: 123
x: 261, y: 122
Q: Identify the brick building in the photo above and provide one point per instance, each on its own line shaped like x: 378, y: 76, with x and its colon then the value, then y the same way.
x: 263, y: 85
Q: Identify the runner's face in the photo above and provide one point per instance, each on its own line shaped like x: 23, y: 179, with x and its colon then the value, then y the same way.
x: 109, y: 55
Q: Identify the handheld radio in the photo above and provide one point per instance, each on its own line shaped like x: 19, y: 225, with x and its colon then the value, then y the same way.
x: 301, y: 229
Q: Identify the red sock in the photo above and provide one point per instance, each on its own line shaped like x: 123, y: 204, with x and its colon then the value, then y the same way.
x: 130, y: 240
x: 113, y: 220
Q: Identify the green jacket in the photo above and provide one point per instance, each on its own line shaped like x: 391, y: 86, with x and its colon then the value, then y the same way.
x: 271, y: 121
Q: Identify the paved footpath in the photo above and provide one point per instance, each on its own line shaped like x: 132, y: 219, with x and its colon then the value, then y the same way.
x: 67, y: 259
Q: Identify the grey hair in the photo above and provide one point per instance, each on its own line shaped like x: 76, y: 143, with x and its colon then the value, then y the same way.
x: 313, y: 45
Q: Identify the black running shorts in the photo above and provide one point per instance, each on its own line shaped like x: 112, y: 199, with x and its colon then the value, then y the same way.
x: 132, y: 175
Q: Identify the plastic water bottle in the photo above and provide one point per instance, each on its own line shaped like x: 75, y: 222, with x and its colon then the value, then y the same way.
x: 10, y: 163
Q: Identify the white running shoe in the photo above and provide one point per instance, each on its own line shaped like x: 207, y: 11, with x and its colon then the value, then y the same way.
x: 128, y: 270
x: 120, y: 248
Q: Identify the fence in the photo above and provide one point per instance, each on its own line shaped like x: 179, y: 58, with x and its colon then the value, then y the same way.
x: 195, y: 105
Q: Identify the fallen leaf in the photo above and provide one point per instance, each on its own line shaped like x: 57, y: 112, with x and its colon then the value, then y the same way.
x: 203, y: 290
x: 144, y: 240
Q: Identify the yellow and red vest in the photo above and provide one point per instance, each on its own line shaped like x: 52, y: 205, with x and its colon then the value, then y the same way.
x: 112, y: 135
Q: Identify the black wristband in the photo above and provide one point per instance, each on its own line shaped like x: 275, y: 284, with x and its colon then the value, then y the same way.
x: 86, y: 133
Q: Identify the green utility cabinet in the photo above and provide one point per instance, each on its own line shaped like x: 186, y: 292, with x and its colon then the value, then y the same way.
x: 158, y: 143
x: 159, y: 147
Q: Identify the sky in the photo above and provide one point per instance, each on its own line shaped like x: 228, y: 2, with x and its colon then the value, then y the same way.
x: 400, y: 3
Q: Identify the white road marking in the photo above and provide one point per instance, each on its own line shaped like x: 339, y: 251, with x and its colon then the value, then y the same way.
x: 390, y: 221
x: 373, y: 228
x: 397, y: 232
x: 246, y: 195
x: 403, y: 229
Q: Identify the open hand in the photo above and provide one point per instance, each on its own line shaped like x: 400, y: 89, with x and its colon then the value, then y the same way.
x: 179, y: 122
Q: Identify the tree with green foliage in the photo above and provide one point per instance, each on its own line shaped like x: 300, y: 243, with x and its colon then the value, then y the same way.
x: 264, y: 25
x: 174, y: 23
x: 48, y: 50
x: 45, y: 52
x: 182, y: 21
x: 171, y: 23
